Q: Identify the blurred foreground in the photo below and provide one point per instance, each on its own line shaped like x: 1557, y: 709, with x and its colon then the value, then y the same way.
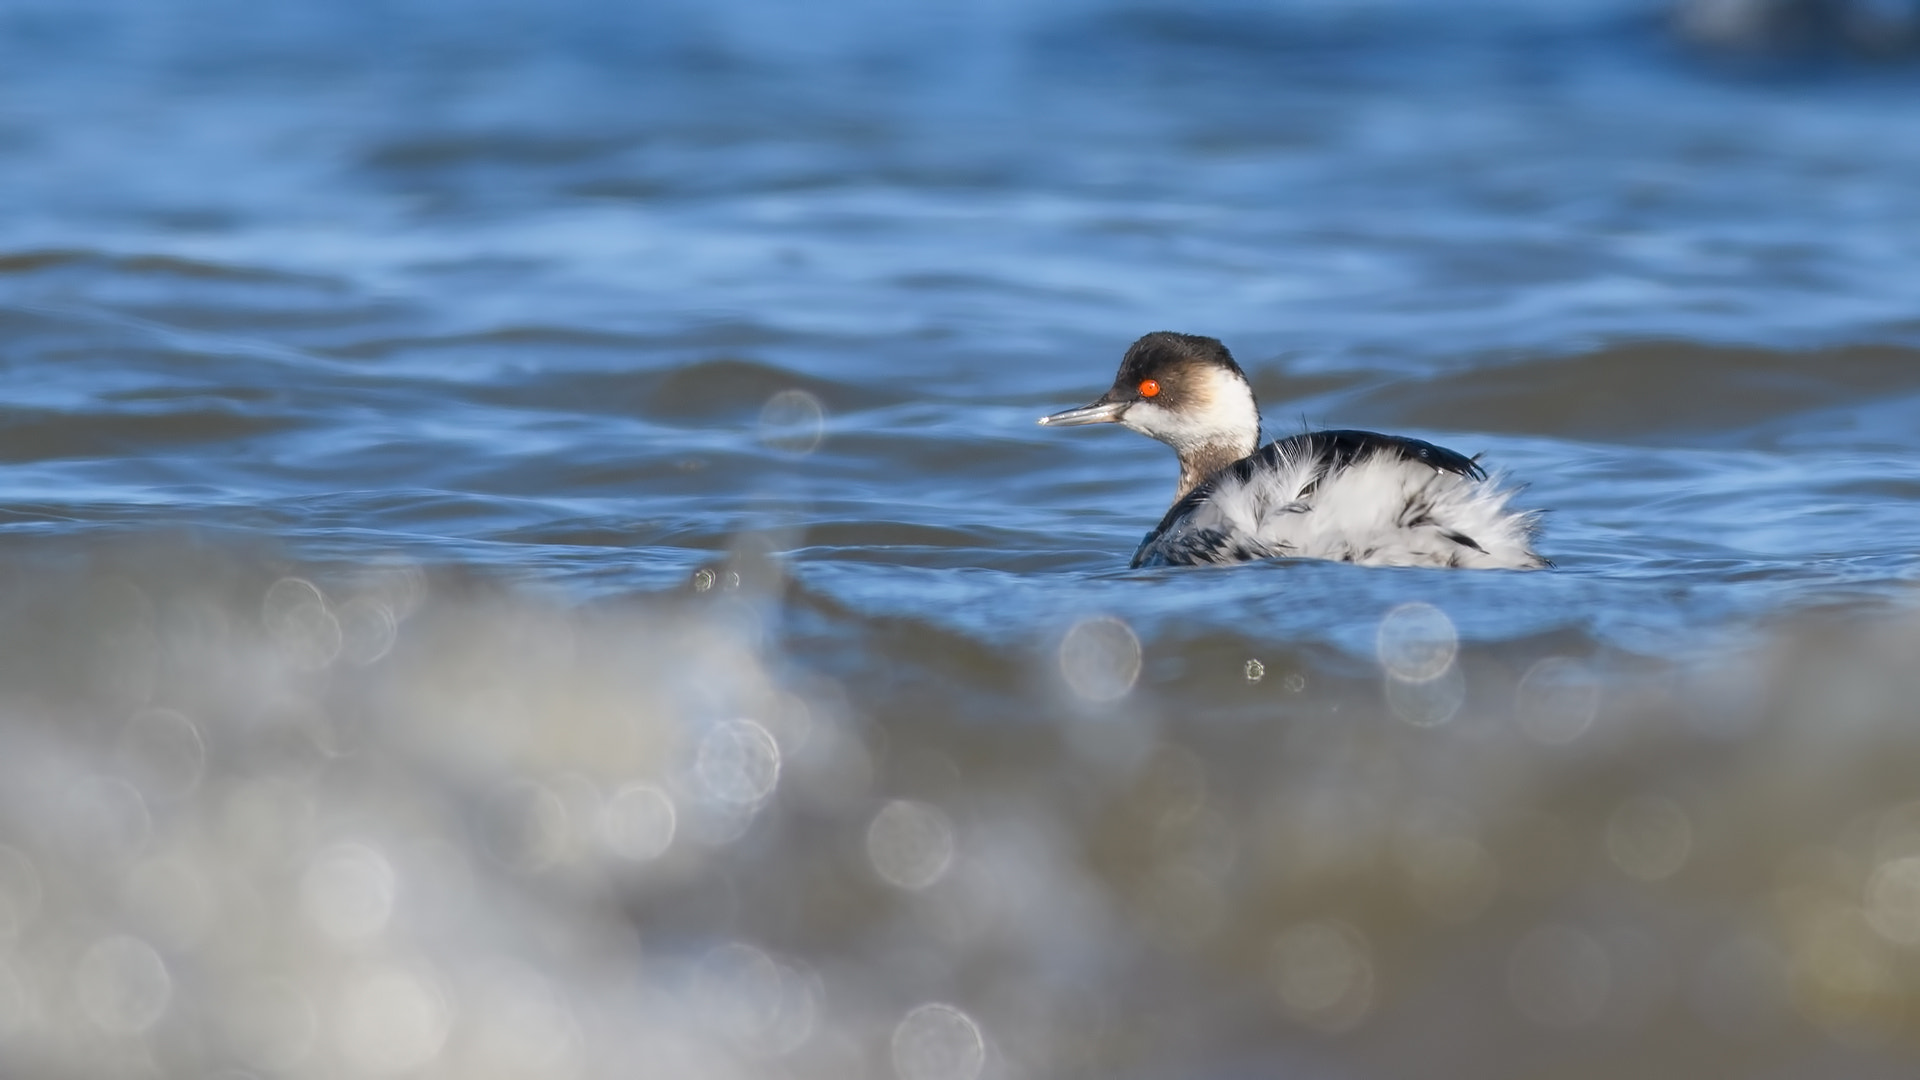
x: 331, y: 821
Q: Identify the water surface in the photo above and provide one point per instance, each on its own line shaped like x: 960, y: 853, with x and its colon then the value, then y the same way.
x: 528, y: 552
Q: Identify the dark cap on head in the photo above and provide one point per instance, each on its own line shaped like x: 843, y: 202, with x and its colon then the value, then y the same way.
x: 1171, y: 360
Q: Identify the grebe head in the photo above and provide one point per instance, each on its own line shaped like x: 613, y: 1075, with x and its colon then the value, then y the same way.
x: 1185, y: 391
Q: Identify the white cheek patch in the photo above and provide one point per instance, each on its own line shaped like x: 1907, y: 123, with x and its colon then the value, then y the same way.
x: 1177, y: 429
x: 1218, y: 409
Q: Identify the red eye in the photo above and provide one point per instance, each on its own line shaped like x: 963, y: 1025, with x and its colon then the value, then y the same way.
x: 1149, y: 388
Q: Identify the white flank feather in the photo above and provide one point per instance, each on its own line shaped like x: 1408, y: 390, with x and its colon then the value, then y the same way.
x: 1383, y: 510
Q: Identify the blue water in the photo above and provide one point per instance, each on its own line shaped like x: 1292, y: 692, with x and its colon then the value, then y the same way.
x: 591, y: 376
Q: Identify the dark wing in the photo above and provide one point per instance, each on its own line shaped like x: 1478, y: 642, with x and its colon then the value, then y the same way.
x: 1340, y: 449
x: 1332, y: 450
x: 1194, y: 547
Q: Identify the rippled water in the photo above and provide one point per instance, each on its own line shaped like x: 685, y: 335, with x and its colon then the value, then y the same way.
x: 527, y: 552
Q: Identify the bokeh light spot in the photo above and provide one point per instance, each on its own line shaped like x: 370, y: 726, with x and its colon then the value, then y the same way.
x: 1416, y: 642
x: 1451, y: 877
x: 1557, y: 700
x: 638, y: 822
x: 368, y: 630
x: 392, y: 1020
x: 1893, y: 900
x: 910, y: 844
x: 270, y: 1025
x: 296, y: 616
x: 526, y: 826
x: 108, y: 819
x: 1739, y: 987
x: 1846, y: 979
x: 793, y: 422
x: 19, y: 892
x: 1100, y: 658
x: 754, y: 1000
x: 1649, y: 837
x: 1323, y: 974
x: 123, y: 985
x: 938, y: 1042
x: 1427, y: 702
x: 1559, y: 977
x: 738, y: 763
x: 161, y: 753
x: 16, y: 1004
x: 172, y: 901
x: 521, y: 1022
x: 348, y: 891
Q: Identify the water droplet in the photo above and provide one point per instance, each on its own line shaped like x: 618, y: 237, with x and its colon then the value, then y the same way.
x: 122, y: 984
x: 703, y: 579
x: 1256, y: 671
x: 938, y: 1042
x: 910, y: 844
x: 1416, y: 642
x: 1100, y: 658
x: 638, y: 822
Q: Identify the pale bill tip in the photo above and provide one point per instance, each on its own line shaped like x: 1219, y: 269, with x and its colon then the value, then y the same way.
x: 1106, y: 412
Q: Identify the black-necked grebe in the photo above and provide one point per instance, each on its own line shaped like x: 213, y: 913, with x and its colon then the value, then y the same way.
x: 1349, y: 496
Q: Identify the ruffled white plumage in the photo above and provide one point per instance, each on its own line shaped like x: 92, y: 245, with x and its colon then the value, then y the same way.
x: 1381, y: 509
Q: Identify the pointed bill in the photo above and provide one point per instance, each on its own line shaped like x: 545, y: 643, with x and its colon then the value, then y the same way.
x: 1100, y: 412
